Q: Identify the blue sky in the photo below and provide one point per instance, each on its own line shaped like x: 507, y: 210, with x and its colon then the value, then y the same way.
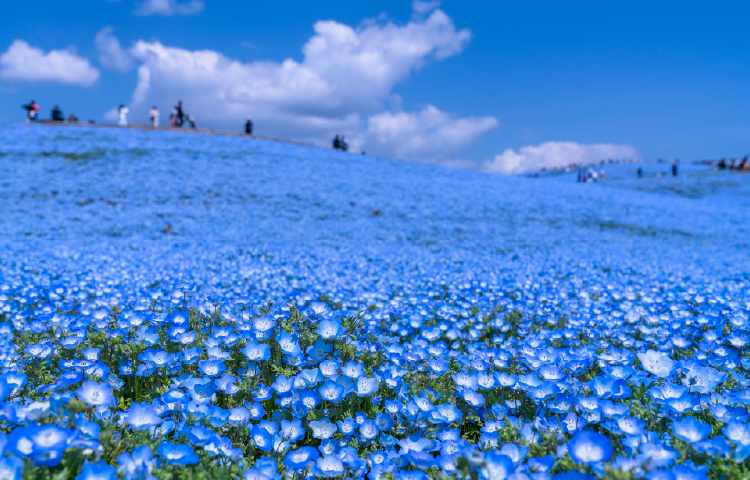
x: 503, y: 86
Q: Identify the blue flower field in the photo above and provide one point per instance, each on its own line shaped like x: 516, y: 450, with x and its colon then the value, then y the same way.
x: 180, y: 306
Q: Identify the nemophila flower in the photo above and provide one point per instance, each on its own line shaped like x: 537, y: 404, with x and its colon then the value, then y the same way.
x: 289, y: 343
x: 318, y: 311
x: 496, y: 466
x: 614, y: 410
x: 659, y: 454
x: 40, y: 350
x: 331, y: 391
x: 392, y: 380
x: 330, y: 466
x: 309, y: 399
x: 256, y: 352
x: 323, y: 429
x: 44, y: 444
x: 262, y: 393
x: 136, y: 465
x: 300, y: 458
x: 282, y: 384
x: 657, y: 363
x: 704, y: 379
x: 318, y: 351
x: 146, y: 369
x: 178, y: 317
x: 737, y: 433
x: 141, y: 417
x: 329, y: 368
x: 179, y: 454
x: 421, y: 460
x: 726, y: 414
x: 368, y: 430
x: 506, y: 380
x: 264, y: 324
x: 415, y: 443
x: 544, y: 391
x: 191, y: 355
x: 691, y: 430
x: 472, y: 398
x: 353, y: 369
x: 217, y: 353
x: 211, y: 368
x: 329, y: 329
x: 589, y: 447
x: 226, y: 384
x: 199, y: 435
x: 631, y: 425
x: 222, y: 446
x: 366, y: 386
x: 292, y: 431
x: 311, y: 376
x: 438, y: 366
x: 347, y: 426
x: 186, y: 338
x: 239, y: 416
x: 148, y: 335
x: 256, y: 410
x: 465, y: 380
x: 666, y: 392
x: 384, y: 421
x: 96, y: 394
x: 96, y: 471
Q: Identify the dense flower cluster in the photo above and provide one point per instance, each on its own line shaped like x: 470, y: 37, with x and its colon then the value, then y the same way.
x: 307, y: 330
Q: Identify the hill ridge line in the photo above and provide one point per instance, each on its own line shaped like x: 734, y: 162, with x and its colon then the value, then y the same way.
x: 203, y: 131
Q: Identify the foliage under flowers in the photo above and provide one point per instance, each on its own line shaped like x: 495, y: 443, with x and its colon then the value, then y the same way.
x: 409, y: 347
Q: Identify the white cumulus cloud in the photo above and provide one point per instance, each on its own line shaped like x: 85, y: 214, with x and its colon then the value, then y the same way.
x: 22, y: 62
x: 555, y: 154
x: 341, y: 85
x: 168, y: 7
x: 429, y: 135
x: 111, y: 53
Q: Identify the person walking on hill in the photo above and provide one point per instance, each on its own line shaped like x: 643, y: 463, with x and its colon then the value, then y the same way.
x: 249, y: 126
x: 32, y: 110
x: 674, y: 168
x: 180, y: 114
x: 123, y: 112
x: 153, y: 115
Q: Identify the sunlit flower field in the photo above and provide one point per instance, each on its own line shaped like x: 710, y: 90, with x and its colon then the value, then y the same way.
x: 180, y: 306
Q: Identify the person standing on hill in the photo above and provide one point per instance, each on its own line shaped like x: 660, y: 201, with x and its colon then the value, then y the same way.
x: 123, y: 112
x: 57, y: 114
x: 674, y: 168
x: 336, y: 142
x: 180, y: 114
x: 153, y: 115
x: 249, y: 126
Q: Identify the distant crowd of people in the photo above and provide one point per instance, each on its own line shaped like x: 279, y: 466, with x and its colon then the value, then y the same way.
x: 178, y: 118
x: 738, y: 165
x: 32, y: 113
x: 590, y: 175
